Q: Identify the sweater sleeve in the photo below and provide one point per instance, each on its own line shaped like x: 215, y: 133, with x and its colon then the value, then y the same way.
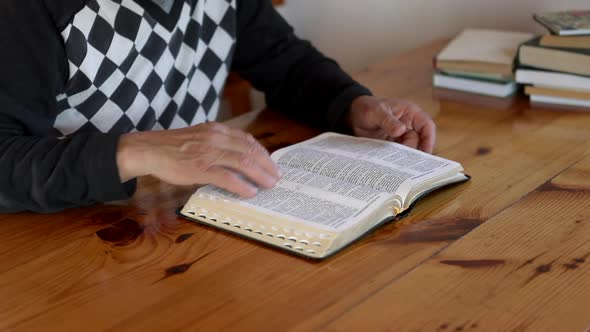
x: 295, y: 77
x: 38, y: 171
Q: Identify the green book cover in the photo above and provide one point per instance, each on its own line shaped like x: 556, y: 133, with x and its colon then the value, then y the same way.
x: 475, y: 78
x: 536, y: 42
x: 494, y: 78
x: 567, y: 60
x: 570, y: 22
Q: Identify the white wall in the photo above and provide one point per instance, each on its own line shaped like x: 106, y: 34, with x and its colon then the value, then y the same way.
x: 357, y: 32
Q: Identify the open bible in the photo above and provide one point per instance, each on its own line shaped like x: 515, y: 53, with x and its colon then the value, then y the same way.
x: 335, y: 188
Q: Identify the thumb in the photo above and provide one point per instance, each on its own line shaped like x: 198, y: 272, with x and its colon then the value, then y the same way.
x: 390, y: 123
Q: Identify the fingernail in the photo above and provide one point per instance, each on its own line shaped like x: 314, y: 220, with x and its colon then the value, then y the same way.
x: 252, y: 190
x: 269, y: 181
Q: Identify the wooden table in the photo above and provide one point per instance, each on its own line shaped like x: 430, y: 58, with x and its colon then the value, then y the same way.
x: 509, y: 251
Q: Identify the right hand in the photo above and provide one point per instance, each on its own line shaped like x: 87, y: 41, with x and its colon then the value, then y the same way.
x: 209, y: 153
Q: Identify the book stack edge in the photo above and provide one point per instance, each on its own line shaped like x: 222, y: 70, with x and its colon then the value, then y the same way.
x: 555, y: 68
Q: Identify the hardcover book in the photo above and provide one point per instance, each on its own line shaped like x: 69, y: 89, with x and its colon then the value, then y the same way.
x: 550, y: 79
x: 558, y: 93
x: 479, y: 86
x: 566, y: 23
x: 579, y: 104
x: 335, y: 188
x: 568, y: 60
x: 483, y: 52
x: 580, y: 42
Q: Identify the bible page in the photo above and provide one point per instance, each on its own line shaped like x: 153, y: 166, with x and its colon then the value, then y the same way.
x: 380, y: 165
x: 312, y: 199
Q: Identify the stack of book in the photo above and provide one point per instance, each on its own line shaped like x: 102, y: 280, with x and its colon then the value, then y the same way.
x: 479, y: 61
x: 556, y: 67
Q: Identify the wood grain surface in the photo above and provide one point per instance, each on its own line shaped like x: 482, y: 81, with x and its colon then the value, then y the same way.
x: 508, y: 251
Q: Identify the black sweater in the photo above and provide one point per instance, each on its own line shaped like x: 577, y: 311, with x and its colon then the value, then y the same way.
x: 76, y: 74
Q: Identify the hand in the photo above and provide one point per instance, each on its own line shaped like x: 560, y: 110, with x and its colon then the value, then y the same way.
x: 208, y: 153
x: 392, y: 119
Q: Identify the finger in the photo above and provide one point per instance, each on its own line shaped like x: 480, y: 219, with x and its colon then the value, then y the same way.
x: 247, y: 144
x: 408, y: 113
x: 389, y: 122
x: 427, y: 137
x: 410, y: 139
x: 426, y: 129
x: 243, y: 143
x: 415, y: 118
x: 216, y: 133
x: 239, y: 134
x: 216, y: 127
x: 262, y: 158
x: 248, y: 165
x: 231, y: 181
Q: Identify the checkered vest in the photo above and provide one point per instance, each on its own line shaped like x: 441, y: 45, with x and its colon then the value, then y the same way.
x: 129, y: 72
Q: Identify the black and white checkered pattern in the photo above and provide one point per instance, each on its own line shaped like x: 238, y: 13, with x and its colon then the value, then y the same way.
x: 128, y: 72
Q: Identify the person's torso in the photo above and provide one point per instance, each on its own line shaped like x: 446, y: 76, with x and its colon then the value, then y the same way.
x: 143, y: 65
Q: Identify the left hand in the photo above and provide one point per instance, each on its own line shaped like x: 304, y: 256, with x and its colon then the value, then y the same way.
x: 394, y: 120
